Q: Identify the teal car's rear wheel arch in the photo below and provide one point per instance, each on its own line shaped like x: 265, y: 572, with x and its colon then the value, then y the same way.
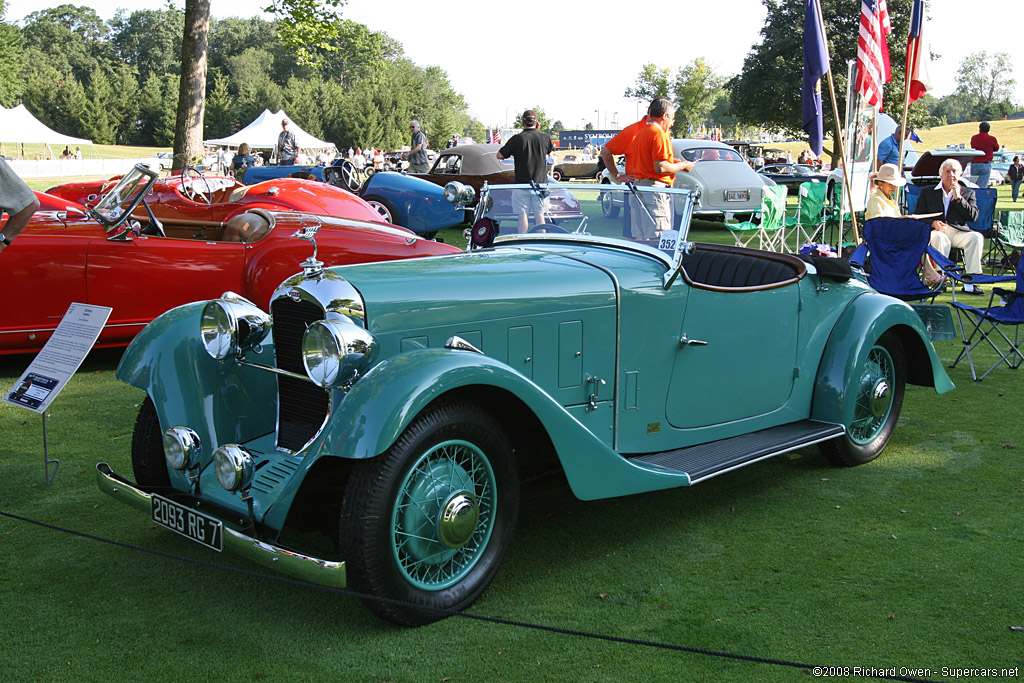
x: 875, y: 396
x: 429, y: 520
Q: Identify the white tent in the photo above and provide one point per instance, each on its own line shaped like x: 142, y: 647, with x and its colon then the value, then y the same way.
x: 19, y: 126
x: 262, y: 134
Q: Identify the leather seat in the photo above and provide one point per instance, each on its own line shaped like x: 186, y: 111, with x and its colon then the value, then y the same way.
x: 247, y: 227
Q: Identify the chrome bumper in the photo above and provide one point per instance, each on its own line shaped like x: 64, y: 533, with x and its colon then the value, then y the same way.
x: 302, y: 567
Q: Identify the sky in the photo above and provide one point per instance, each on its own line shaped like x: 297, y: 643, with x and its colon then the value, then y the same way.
x: 573, y: 58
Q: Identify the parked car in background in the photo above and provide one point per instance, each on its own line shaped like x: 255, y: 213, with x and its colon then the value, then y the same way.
x: 792, y: 175
x: 471, y: 165
x: 164, y: 160
x: 727, y: 184
x: 373, y: 426
x: 112, y: 255
x: 574, y: 165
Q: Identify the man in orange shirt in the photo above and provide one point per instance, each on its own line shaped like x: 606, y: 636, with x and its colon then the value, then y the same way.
x: 621, y: 144
x: 653, y: 164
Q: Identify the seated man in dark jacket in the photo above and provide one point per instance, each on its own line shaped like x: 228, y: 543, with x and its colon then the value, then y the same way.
x: 958, y: 207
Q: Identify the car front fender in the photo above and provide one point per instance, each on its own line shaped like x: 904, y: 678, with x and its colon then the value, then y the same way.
x: 865, y: 320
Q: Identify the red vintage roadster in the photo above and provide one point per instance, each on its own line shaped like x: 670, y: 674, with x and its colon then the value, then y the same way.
x: 120, y: 253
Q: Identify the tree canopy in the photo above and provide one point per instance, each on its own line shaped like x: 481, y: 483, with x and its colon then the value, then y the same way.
x: 117, y: 82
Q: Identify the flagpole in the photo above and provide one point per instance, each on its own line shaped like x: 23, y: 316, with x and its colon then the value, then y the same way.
x: 910, y: 61
x: 839, y: 140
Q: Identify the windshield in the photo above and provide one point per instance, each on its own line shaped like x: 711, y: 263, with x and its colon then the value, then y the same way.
x: 658, y: 218
x: 117, y: 204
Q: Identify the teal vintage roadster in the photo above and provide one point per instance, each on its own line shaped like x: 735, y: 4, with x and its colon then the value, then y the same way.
x: 393, y: 408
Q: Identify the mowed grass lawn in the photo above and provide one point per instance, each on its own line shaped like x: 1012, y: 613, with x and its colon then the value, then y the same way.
x: 911, y: 561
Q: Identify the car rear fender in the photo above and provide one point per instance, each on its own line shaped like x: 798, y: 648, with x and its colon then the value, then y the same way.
x: 384, y: 402
x: 864, y: 322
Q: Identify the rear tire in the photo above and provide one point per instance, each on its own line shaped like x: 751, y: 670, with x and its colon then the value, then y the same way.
x: 877, y: 389
x: 608, y: 206
x: 386, y: 209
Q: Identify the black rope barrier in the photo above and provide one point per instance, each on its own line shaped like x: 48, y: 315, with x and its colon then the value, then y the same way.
x: 464, y: 615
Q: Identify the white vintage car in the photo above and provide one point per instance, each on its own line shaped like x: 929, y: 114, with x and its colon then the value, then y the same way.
x: 726, y: 182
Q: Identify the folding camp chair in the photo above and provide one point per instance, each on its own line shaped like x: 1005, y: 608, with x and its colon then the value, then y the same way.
x: 955, y: 272
x: 988, y: 324
x: 1007, y: 244
x: 809, y: 221
x: 895, y: 247
x: 770, y: 232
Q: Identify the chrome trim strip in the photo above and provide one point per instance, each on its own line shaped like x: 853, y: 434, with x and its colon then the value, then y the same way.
x: 51, y: 329
x: 297, y: 565
x: 276, y: 371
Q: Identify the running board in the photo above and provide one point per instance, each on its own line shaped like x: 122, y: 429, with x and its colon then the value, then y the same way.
x: 711, y: 459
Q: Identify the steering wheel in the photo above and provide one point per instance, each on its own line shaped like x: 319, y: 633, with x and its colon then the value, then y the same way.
x: 190, y: 185
x: 348, y: 176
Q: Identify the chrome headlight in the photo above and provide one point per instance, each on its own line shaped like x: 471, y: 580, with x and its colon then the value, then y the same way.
x: 234, y: 467
x: 232, y: 325
x: 182, y: 448
x: 458, y: 193
x: 337, y: 352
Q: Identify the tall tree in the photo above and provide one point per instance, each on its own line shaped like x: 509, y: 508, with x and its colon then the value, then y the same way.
x: 766, y: 93
x: 696, y: 90
x: 987, y: 78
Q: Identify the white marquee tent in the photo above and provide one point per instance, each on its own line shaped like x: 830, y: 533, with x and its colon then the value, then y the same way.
x: 262, y: 134
x: 19, y: 126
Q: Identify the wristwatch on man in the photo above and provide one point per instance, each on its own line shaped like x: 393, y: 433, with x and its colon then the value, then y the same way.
x: 3, y: 240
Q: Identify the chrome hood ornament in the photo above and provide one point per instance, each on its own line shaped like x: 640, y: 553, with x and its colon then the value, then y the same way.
x: 311, y: 267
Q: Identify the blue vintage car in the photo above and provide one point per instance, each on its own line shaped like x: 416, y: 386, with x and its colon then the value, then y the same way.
x: 401, y: 199
x: 394, y: 408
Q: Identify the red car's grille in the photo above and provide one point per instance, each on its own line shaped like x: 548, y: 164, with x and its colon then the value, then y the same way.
x: 302, y: 407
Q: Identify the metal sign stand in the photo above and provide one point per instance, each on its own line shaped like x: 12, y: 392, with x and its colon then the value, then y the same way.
x: 46, y: 457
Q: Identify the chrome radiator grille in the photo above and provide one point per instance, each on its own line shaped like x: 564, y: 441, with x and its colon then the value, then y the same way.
x: 302, y: 407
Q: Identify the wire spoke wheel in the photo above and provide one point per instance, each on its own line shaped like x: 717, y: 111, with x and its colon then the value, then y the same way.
x: 444, y: 515
x: 875, y: 397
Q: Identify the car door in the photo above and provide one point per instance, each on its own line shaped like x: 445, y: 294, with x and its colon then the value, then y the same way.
x: 142, y: 277
x: 737, y: 355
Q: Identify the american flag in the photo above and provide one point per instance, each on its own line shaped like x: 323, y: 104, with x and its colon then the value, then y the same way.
x: 495, y: 137
x: 873, y: 51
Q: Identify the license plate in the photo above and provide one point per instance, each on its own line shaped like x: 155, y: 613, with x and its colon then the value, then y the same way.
x: 201, y: 528
x: 737, y: 195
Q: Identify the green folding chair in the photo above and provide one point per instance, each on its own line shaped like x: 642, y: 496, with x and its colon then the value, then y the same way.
x: 770, y: 231
x: 1007, y: 244
x: 809, y: 221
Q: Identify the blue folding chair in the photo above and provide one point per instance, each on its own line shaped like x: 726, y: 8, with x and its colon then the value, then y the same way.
x: 895, y: 247
x: 988, y: 324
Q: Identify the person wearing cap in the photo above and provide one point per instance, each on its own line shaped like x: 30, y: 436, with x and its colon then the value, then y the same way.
x: 418, y: 149
x: 957, y: 207
x: 621, y: 144
x: 19, y: 202
x: 529, y: 150
x: 654, y: 165
x: 287, y: 146
x: 889, y: 148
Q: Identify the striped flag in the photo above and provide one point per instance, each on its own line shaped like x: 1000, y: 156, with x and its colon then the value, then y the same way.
x: 871, y: 65
x: 918, y: 58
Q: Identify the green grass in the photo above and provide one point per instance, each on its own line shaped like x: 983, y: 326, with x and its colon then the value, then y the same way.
x: 912, y: 560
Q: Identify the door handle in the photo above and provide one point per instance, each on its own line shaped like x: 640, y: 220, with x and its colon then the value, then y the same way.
x: 691, y: 342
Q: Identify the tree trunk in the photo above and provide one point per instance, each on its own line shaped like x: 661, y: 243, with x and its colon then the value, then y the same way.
x: 188, y: 128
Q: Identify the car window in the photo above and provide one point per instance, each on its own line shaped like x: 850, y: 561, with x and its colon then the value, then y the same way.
x: 451, y: 164
x: 711, y: 154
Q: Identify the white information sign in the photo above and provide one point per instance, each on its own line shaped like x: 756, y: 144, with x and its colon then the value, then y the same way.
x: 58, y: 360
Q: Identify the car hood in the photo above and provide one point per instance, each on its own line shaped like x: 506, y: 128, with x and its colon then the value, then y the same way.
x: 452, y: 295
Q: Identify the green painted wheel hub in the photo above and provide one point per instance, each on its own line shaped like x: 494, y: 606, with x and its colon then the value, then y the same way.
x: 874, y: 395
x: 443, y: 515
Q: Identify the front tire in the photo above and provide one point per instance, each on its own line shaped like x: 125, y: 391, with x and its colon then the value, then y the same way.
x: 428, y: 521
x: 877, y: 389
x: 608, y: 206
x: 386, y: 209
x: 148, y: 462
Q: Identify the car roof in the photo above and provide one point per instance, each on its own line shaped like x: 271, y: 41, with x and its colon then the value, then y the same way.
x: 688, y: 143
x: 477, y: 159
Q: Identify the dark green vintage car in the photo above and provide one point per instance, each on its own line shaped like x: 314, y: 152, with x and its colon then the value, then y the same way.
x: 393, y: 408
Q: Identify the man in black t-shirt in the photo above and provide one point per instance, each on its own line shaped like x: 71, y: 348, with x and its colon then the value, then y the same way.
x: 529, y: 150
